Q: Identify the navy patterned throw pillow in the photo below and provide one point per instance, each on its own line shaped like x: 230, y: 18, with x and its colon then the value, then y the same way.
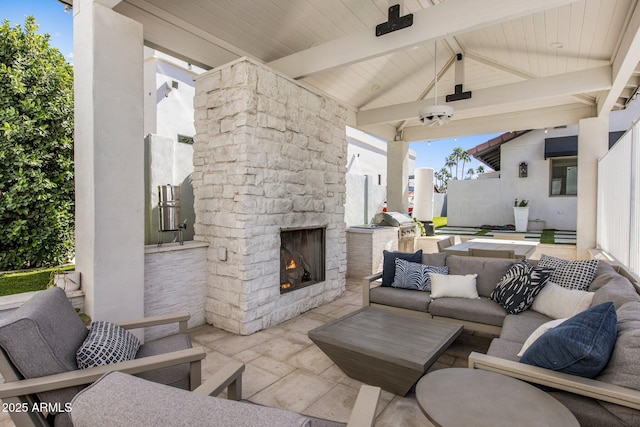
x: 412, y: 275
x: 519, y: 286
x: 106, y: 343
x: 389, y: 263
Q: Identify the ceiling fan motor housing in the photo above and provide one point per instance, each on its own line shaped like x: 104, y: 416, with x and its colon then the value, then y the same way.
x: 433, y: 114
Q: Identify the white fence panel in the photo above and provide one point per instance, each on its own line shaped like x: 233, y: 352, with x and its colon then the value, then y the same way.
x: 618, y: 196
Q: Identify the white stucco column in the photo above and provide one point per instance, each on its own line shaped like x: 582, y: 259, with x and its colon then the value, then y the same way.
x: 397, y: 176
x: 593, y: 143
x: 109, y: 161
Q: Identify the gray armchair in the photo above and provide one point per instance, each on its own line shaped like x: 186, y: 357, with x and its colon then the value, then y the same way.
x: 38, y: 345
x: 119, y: 399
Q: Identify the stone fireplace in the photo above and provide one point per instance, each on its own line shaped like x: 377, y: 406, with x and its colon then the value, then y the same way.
x: 269, y: 159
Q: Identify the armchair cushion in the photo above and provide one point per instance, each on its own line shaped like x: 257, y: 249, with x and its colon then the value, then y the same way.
x: 118, y: 399
x: 106, y: 343
x: 175, y: 376
x: 41, y: 338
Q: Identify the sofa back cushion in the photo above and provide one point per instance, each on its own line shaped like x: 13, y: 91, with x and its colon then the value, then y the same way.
x: 623, y: 368
x: 617, y: 289
x: 489, y: 271
x: 438, y: 259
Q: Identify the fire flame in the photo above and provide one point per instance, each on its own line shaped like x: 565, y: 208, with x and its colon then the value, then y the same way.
x: 292, y: 264
x: 285, y: 285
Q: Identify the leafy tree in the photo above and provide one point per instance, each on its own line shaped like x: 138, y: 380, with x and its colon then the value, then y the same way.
x: 36, y: 150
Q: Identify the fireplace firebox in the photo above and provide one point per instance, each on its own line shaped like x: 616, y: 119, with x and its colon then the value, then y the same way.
x: 302, y: 258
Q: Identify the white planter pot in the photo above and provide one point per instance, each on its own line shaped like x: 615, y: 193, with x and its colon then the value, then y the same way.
x: 521, y: 216
x: 69, y: 280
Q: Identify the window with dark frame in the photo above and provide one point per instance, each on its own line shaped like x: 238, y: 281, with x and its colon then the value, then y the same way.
x: 184, y: 139
x: 564, y: 177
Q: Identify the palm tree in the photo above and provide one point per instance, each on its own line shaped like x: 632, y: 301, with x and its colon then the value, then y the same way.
x: 446, y: 176
x: 480, y: 169
x: 450, y: 162
x: 471, y: 172
x: 465, y: 157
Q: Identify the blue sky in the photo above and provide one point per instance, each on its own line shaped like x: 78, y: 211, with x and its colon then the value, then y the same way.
x: 52, y: 19
x: 50, y: 16
x: 432, y: 154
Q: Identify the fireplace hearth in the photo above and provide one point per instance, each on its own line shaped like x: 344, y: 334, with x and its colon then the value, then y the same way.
x: 302, y: 258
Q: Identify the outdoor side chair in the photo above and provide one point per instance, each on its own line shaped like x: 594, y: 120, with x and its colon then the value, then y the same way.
x: 121, y: 400
x: 445, y: 243
x: 38, y: 345
x: 492, y: 253
x: 507, y: 236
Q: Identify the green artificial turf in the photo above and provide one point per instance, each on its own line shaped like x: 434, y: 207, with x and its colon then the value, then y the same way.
x: 439, y: 221
x: 548, y: 236
x: 36, y: 280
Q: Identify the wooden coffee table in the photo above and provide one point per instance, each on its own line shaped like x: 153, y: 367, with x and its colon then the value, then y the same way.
x: 383, y: 348
x: 472, y: 397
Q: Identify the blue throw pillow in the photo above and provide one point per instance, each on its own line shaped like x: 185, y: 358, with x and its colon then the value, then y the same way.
x: 389, y: 263
x: 579, y: 346
x: 413, y: 275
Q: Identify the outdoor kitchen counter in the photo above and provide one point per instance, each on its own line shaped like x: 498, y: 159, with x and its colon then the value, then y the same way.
x: 365, y: 244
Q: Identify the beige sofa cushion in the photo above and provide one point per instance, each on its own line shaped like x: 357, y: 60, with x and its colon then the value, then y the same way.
x: 489, y: 271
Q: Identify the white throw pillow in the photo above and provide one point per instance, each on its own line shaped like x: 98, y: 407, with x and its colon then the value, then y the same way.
x: 558, y: 302
x: 538, y: 333
x: 447, y: 285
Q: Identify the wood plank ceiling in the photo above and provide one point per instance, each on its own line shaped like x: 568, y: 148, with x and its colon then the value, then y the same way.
x: 529, y: 64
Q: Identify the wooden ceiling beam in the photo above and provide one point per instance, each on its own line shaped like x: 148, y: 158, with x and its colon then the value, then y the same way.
x: 440, y: 21
x: 512, y: 94
x: 519, y: 120
x: 624, y: 65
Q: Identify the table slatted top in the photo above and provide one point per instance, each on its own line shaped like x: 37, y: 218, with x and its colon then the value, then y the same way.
x: 404, y: 339
x: 521, y: 248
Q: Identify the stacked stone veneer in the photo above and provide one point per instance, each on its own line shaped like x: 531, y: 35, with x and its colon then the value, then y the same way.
x: 269, y: 154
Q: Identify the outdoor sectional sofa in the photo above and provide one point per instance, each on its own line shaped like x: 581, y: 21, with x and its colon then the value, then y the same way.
x: 610, y: 399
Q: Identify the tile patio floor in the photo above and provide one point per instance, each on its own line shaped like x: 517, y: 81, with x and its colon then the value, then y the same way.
x: 284, y: 369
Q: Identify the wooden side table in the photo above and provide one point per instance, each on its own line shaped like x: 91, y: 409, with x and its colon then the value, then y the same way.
x: 472, y: 397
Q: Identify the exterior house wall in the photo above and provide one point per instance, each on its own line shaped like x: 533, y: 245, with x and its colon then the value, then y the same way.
x: 490, y: 201
x: 168, y: 112
x: 367, y: 176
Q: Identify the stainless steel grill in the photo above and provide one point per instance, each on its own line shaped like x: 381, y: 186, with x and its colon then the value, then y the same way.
x: 406, y: 228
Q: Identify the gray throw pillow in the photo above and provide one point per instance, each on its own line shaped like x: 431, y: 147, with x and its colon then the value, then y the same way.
x: 106, y: 343
x: 413, y: 275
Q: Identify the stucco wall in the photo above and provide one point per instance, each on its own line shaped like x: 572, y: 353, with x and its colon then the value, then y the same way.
x: 490, y: 201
